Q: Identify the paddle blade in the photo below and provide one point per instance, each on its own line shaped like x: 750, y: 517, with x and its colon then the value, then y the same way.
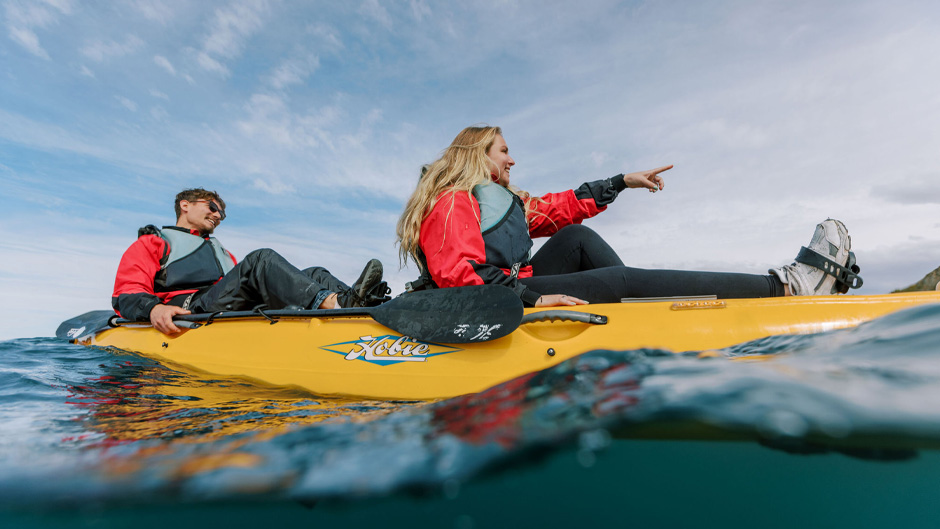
x: 81, y: 326
x: 453, y: 315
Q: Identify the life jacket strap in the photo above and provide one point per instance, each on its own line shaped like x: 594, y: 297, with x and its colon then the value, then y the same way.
x: 422, y: 283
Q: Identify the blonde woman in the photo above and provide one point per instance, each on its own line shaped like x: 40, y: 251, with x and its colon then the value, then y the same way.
x: 466, y: 225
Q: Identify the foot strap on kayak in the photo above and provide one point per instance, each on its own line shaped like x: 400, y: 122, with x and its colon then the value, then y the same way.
x: 846, y: 276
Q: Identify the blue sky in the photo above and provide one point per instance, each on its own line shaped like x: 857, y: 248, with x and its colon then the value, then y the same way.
x: 313, y: 118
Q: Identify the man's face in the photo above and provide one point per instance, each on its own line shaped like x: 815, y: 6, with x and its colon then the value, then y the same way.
x: 202, y: 215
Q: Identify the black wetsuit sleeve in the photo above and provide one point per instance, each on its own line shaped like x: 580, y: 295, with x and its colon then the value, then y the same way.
x: 529, y: 296
x: 603, y: 192
x: 136, y: 306
x: 492, y: 275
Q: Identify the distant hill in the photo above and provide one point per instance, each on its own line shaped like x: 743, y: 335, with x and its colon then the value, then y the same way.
x: 929, y: 282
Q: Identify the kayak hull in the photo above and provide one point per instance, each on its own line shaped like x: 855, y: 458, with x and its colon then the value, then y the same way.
x: 355, y: 356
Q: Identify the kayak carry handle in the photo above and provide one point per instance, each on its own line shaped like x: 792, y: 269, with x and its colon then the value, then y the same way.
x: 565, y: 315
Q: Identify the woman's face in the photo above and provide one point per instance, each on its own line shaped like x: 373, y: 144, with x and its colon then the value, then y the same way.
x: 500, y: 161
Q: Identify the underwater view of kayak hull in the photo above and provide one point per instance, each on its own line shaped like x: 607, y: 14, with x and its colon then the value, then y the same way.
x: 356, y: 356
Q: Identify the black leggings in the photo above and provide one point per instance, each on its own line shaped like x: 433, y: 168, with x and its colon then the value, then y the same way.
x: 576, y: 261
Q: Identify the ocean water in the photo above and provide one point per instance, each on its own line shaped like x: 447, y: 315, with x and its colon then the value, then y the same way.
x: 838, y: 429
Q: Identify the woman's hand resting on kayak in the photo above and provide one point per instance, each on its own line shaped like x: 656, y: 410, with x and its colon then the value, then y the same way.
x: 559, y: 300
x: 648, y: 179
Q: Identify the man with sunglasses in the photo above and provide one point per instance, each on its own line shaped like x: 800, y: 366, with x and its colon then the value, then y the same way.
x: 181, y: 269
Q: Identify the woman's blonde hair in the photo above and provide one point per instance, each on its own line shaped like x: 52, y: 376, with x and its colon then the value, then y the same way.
x: 463, y: 165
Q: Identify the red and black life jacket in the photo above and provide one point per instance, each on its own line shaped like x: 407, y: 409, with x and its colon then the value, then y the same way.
x: 189, y: 261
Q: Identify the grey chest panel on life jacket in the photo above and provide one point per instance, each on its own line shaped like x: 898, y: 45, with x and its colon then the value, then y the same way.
x: 503, y: 225
x: 192, y: 261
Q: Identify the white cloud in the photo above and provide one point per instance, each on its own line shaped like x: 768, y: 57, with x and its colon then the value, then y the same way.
x: 64, y: 6
x: 102, y: 50
x: 87, y: 72
x: 725, y: 132
x: 158, y: 94
x: 32, y: 264
x: 365, y: 131
x: 44, y: 136
x: 272, y: 186
x: 22, y: 18
x: 911, y: 191
x: 269, y: 118
x: 164, y: 63
x: 28, y: 40
x: 599, y: 158
x: 327, y: 37
x: 228, y: 31
x: 155, y: 10
x: 376, y: 11
x: 158, y: 113
x: 127, y: 103
x: 211, y: 64
x: 420, y: 9
x: 291, y: 72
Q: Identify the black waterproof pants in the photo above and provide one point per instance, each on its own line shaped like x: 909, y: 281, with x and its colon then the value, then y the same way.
x: 576, y: 261
x: 266, y: 278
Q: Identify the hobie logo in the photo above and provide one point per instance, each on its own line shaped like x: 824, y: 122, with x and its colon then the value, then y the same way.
x: 75, y: 333
x: 388, y: 349
x: 380, y: 349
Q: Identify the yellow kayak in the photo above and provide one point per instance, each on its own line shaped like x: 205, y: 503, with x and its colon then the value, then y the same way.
x: 354, y: 355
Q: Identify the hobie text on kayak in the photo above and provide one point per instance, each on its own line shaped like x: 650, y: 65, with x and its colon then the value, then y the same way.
x: 388, y: 349
x: 403, y: 349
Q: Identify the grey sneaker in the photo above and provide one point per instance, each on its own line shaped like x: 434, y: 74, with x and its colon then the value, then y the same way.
x: 831, y: 241
x: 369, y: 279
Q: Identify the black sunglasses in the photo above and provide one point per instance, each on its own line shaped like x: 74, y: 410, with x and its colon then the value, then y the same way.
x: 213, y: 207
